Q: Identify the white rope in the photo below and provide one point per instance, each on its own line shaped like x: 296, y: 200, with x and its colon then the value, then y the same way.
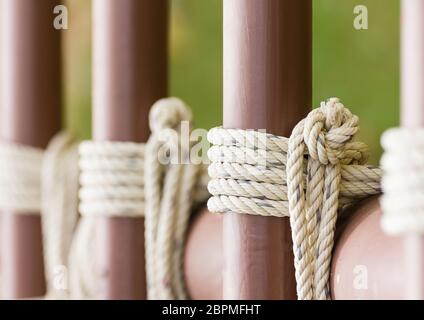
x: 126, y: 179
x: 34, y: 181
x: 83, y: 261
x: 20, y: 174
x: 262, y: 174
x: 170, y: 193
x: 59, y: 189
x: 112, y: 185
x: 403, y: 181
x: 112, y: 178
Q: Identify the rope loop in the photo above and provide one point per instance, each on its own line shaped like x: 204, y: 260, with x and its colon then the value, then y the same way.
x: 168, y: 114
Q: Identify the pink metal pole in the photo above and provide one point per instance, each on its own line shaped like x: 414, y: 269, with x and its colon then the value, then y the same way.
x: 412, y: 116
x: 31, y: 101
x: 129, y: 75
x: 267, y: 85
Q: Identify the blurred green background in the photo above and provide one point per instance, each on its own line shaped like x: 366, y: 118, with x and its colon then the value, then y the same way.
x: 359, y: 66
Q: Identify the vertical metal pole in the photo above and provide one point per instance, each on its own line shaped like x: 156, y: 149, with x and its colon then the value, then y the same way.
x: 267, y: 85
x: 129, y: 75
x: 31, y: 101
x: 412, y: 116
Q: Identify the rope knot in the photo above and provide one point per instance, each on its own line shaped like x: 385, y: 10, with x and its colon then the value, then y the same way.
x: 168, y: 114
x: 328, y: 132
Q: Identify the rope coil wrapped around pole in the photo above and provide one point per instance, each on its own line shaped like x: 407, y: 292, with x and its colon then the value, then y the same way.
x: 128, y: 179
x: 402, y: 181
x: 269, y: 175
x: 20, y: 175
x: 112, y: 178
x: 112, y: 185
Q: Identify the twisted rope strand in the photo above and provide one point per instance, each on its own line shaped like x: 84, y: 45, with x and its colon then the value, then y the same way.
x: 298, y: 219
x: 171, y: 190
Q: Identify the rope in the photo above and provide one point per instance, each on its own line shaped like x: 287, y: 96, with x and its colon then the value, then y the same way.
x: 402, y: 183
x: 112, y: 185
x: 59, y: 189
x: 112, y: 178
x: 83, y: 257
x: 170, y: 185
x: 309, y: 178
x: 34, y: 181
x: 20, y: 173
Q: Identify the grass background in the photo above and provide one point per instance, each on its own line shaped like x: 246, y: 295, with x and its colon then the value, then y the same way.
x: 359, y: 66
